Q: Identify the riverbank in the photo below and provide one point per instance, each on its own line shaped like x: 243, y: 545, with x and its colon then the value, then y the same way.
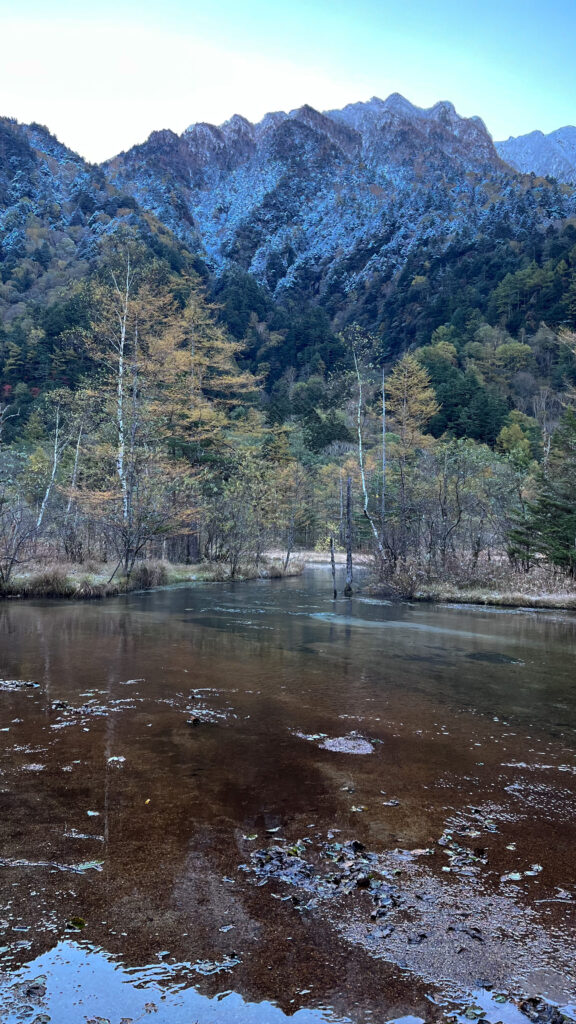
x: 500, y: 585
x: 495, y: 584
x: 447, y: 594
x: 99, y: 580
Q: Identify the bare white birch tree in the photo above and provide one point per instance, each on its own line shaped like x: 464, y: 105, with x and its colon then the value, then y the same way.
x: 59, y: 445
x: 359, y: 414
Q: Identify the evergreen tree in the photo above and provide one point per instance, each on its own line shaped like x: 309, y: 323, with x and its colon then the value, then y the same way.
x: 549, y: 524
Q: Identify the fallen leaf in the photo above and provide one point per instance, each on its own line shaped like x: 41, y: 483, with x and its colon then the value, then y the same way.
x: 76, y: 924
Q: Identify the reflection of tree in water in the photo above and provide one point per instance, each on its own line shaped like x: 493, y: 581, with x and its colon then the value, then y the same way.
x: 163, y: 883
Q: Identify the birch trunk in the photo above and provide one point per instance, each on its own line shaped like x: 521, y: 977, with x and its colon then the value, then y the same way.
x: 341, y: 528
x: 74, y: 473
x: 123, y: 294
x: 333, y: 567
x: 367, y: 515
x: 383, y: 498
x: 56, y: 453
x: 349, y: 571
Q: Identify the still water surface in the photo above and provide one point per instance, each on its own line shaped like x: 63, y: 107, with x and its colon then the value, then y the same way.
x: 171, y: 735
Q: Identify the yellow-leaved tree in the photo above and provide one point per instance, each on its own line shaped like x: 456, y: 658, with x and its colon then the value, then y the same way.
x: 168, y: 383
x: 411, y: 403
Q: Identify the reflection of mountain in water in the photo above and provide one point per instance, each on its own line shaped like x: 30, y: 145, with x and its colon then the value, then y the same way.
x: 100, y: 763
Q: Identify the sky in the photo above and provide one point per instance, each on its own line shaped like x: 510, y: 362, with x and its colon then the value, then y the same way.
x: 103, y: 75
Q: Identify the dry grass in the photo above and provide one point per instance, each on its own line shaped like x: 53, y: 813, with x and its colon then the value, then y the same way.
x: 273, y: 568
x: 149, y: 574
x: 507, y: 599
x: 92, y: 580
x: 50, y: 582
x: 493, y: 583
x: 88, y: 589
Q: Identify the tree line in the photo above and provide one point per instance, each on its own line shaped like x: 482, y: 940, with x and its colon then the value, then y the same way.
x: 165, y: 442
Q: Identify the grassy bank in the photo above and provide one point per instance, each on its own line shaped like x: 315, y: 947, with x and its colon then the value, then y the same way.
x: 496, y: 584
x: 496, y: 598
x: 100, y: 580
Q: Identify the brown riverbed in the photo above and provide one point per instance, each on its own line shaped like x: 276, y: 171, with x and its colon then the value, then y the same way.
x: 189, y: 769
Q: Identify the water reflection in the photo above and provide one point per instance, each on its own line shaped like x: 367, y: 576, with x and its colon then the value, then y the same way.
x: 170, y: 728
x: 117, y: 992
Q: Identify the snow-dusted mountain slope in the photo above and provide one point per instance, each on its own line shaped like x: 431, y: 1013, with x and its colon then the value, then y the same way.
x: 553, y: 154
x: 326, y: 206
x: 325, y: 201
x: 55, y: 211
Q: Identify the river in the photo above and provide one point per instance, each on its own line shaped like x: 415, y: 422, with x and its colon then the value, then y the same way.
x: 248, y: 802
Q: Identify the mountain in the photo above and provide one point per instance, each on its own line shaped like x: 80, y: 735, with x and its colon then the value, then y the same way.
x: 403, y: 220
x: 553, y: 154
x: 57, y: 213
x: 53, y: 206
x: 55, y: 210
x: 323, y: 205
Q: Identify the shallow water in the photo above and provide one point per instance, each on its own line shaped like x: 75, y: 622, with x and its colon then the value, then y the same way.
x: 172, y: 734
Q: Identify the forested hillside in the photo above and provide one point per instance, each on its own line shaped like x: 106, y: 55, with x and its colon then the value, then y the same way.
x: 203, y: 340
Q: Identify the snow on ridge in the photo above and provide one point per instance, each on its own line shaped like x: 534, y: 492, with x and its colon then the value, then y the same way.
x: 553, y: 154
x: 360, y: 114
x: 337, y: 202
x: 354, y: 115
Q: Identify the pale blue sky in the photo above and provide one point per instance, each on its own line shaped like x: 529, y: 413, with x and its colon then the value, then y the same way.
x: 104, y: 76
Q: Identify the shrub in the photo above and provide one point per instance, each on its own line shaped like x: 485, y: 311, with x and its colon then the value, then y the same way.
x: 88, y: 588
x: 52, y: 582
x: 146, y: 575
x: 275, y: 569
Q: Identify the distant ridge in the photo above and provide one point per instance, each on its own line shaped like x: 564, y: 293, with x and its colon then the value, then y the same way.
x: 329, y: 207
x: 553, y: 154
x: 310, y: 199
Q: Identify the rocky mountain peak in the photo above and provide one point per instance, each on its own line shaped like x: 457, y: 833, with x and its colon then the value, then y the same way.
x: 444, y: 111
x: 536, y: 153
x: 398, y: 105
x: 163, y: 137
x: 319, y: 205
x: 238, y: 125
x: 330, y: 198
x: 271, y: 121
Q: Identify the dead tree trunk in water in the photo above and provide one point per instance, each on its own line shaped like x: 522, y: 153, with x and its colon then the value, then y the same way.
x: 333, y: 567
x: 341, y: 527
x: 348, y: 588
